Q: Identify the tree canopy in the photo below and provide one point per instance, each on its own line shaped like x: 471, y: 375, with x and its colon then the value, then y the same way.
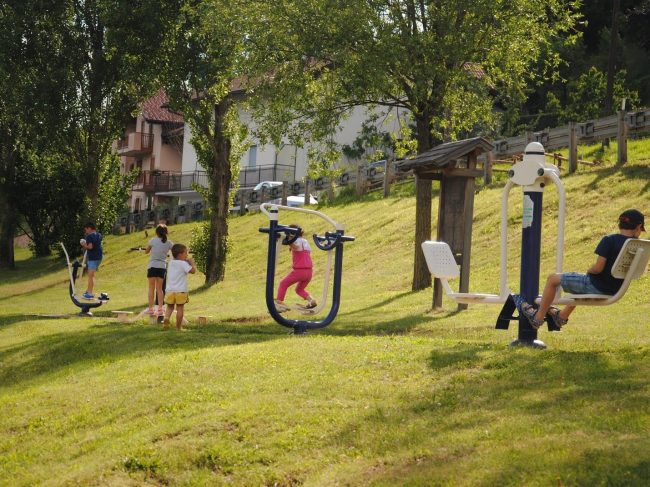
x: 446, y: 63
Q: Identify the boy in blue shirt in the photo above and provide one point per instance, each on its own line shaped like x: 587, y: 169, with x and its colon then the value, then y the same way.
x: 597, y: 280
x: 93, y: 244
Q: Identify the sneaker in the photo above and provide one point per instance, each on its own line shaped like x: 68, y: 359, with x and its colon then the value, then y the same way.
x: 554, y: 315
x: 527, y: 310
x: 311, y: 304
x: 281, y: 307
x: 88, y: 295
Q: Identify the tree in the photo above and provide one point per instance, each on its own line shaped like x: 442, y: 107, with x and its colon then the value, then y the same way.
x: 113, y: 52
x: 204, y: 75
x: 446, y: 63
x: 32, y: 77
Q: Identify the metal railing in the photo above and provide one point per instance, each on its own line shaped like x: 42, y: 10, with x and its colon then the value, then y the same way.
x: 250, y: 176
x: 165, y: 181
x: 139, y: 142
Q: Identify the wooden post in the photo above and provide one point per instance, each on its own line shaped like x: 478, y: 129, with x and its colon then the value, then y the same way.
x: 306, y: 202
x: 285, y: 191
x: 361, y: 181
x: 621, y: 139
x: 487, y: 167
x: 242, y: 202
x: 387, y: 177
x: 573, y: 148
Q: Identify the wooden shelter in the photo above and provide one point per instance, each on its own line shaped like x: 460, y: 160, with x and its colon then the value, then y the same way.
x: 454, y: 164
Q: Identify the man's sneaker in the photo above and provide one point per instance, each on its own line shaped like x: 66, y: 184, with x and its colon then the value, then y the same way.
x: 527, y: 310
x: 554, y: 315
x: 281, y: 307
x: 88, y: 295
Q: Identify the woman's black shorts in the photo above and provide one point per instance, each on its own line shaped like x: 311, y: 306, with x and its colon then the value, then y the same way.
x: 156, y: 272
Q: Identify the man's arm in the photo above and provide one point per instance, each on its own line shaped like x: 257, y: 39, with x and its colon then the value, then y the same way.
x: 598, y: 266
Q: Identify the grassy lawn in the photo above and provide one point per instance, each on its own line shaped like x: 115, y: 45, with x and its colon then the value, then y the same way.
x: 392, y: 393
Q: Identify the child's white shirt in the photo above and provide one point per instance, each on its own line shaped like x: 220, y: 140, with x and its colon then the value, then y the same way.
x: 177, y: 271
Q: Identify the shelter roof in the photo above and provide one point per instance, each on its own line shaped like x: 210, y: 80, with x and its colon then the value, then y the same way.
x: 445, y: 155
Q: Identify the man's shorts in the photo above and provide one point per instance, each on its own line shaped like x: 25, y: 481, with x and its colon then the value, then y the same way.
x: 93, y: 265
x: 576, y: 283
x: 156, y: 272
x: 177, y: 298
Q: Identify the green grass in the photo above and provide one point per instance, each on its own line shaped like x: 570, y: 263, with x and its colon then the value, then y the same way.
x: 392, y: 393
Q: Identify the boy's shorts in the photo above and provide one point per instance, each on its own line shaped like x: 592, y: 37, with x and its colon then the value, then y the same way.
x: 576, y: 283
x: 93, y: 265
x: 177, y: 298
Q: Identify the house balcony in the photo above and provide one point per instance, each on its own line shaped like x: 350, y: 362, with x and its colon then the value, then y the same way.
x: 135, y: 144
x: 169, y: 181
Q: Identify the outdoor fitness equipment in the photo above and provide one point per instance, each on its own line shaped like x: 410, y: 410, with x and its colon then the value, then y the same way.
x: 533, y: 174
x: 331, y: 241
x: 73, y: 270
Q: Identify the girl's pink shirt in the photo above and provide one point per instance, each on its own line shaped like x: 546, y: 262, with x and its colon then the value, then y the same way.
x: 301, y: 256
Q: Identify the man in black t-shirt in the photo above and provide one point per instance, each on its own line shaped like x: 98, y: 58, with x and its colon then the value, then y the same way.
x: 597, y: 280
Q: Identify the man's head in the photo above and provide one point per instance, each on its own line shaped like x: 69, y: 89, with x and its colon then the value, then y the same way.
x: 630, y: 220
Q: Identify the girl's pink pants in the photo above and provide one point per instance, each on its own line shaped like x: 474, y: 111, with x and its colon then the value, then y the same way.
x: 300, y: 276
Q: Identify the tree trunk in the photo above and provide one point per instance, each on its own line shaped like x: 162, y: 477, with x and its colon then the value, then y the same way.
x: 220, y: 176
x: 421, y: 275
x: 7, y: 232
x: 8, y: 220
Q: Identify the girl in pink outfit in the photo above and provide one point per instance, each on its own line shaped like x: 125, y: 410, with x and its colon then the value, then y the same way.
x: 301, y: 273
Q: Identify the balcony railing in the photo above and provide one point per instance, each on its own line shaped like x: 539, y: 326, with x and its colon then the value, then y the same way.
x: 135, y: 143
x: 165, y: 181
x: 250, y: 176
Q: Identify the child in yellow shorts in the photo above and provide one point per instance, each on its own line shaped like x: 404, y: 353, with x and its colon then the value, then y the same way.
x: 177, y: 293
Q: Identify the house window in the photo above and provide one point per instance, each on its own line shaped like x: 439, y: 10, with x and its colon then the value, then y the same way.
x: 252, y: 156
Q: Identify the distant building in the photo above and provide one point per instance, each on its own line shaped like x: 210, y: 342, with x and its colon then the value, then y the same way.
x: 158, y: 141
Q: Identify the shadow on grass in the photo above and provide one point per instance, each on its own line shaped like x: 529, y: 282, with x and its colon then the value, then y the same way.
x: 113, y: 341
x: 355, y: 323
x: 553, y: 401
x: 8, y: 320
x: 63, y: 284
x: 630, y: 172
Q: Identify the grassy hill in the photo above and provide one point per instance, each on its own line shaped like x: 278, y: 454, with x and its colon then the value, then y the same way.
x: 392, y: 393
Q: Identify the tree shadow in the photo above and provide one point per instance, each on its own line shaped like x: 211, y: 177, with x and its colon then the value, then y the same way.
x: 469, y: 388
x: 629, y: 172
x: 112, y: 341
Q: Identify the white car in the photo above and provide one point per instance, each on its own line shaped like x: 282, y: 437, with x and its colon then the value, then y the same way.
x: 297, y: 200
x: 267, y: 185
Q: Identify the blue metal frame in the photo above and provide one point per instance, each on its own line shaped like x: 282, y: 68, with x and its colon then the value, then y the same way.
x: 331, y: 241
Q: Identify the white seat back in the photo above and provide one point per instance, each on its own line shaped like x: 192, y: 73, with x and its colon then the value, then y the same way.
x: 440, y: 260
x: 626, y: 256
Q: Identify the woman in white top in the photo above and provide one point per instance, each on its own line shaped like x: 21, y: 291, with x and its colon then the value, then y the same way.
x: 158, y: 247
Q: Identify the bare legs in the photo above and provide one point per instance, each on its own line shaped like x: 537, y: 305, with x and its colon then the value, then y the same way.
x: 91, y: 281
x: 156, y: 288
x: 550, y: 289
x: 180, y: 311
